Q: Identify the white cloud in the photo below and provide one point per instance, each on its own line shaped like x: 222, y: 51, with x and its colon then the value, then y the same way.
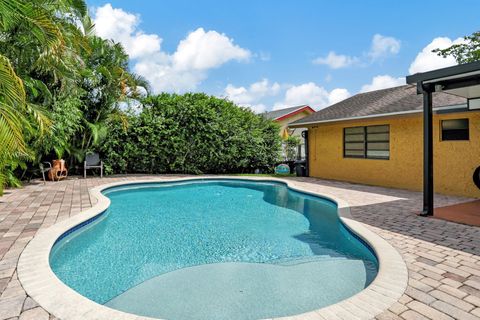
x: 307, y: 93
x: 121, y: 26
x: 383, y: 46
x: 337, y: 95
x: 163, y: 76
x: 382, y: 82
x: 336, y: 61
x: 182, y: 70
x: 311, y: 94
x: 427, y: 60
x: 250, y: 97
x: 205, y: 50
x: 257, y: 108
x: 255, y: 95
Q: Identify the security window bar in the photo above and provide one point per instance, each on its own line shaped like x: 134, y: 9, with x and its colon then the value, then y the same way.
x: 457, y: 129
x: 371, y: 142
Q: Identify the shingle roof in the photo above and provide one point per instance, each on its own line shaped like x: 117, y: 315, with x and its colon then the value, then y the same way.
x: 281, y: 112
x: 379, y: 102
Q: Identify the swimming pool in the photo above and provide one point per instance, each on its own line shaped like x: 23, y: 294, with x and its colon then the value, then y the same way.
x: 216, y: 249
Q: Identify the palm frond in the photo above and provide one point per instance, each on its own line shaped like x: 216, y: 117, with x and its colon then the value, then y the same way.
x: 11, y: 86
x: 99, y: 131
x: 38, y: 89
x: 40, y: 115
x: 88, y: 26
x: 39, y: 20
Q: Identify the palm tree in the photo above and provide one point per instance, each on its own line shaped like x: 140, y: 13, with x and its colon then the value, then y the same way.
x: 33, y: 38
x: 108, y: 84
x: 52, y: 66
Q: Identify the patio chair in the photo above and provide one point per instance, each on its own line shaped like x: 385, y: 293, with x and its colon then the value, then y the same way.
x: 92, y: 161
x: 44, y: 170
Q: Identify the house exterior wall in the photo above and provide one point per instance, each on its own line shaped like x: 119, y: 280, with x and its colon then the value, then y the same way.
x: 454, y: 161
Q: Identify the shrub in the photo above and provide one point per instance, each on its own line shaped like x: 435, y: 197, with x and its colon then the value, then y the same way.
x: 192, y: 133
x: 291, y: 147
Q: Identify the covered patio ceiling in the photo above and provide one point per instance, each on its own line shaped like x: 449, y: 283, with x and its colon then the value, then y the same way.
x: 461, y: 80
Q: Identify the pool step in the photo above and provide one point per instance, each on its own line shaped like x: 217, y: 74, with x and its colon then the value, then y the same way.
x: 244, y: 291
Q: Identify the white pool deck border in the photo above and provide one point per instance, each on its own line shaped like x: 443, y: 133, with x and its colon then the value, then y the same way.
x: 40, y: 282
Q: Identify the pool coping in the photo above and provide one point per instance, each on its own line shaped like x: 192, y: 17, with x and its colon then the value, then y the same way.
x: 39, y: 281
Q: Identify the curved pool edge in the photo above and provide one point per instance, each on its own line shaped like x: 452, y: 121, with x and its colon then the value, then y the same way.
x: 40, y: 282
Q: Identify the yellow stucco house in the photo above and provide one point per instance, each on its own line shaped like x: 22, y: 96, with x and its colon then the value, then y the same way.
x: 376, y: 138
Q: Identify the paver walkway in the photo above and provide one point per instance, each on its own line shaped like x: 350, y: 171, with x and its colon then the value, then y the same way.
x: 443, y: 258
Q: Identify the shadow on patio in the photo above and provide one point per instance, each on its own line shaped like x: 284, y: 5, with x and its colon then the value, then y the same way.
x: 393, y: 212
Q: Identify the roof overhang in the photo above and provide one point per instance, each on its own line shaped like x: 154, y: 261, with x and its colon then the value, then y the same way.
x: 462, y: 80
x: 454, y: 108
x: 294, y: 112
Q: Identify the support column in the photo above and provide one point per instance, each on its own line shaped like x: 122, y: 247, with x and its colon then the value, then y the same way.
x: 427, y: 151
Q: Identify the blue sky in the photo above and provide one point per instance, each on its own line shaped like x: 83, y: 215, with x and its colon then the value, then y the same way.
x: 271, y: 54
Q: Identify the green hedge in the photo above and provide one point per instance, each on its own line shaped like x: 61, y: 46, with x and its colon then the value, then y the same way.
x: 191, y: 133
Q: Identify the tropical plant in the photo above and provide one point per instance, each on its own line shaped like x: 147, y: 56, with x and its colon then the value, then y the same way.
x: 60, y: 85
x: 65, y: 92
x: 108, y: 87
x: 31, y: 41
x: 12, y: 105
x: 291, y: 147
x: 67, y: 121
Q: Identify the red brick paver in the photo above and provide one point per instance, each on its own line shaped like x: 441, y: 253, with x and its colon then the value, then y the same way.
x: 467, y: 212
x: 443, y: 258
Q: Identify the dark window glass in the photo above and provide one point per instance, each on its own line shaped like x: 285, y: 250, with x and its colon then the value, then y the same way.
x: 456, y: 129
x: 367, y: 142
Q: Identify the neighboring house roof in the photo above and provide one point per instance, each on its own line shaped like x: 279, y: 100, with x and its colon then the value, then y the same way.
x: 397, y: 100
x: 287, y: 112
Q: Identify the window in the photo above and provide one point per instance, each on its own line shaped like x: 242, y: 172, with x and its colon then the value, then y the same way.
x: 354, y: 142
x: 371, y: 142
x: 378, y: 142
x: 455, y: 129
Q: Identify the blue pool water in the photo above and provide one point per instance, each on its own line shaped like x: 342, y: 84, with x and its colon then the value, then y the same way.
x: 214, y: 249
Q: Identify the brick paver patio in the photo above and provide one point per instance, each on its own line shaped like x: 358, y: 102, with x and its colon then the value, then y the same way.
x: 443, y: 258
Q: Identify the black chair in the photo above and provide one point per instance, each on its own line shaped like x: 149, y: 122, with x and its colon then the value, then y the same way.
x: 92, y: 161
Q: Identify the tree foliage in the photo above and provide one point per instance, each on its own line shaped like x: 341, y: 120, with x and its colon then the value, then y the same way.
x: 291, y: 147
x: 63, y: 92
x: 30, y: 37
x: 469, y: 51
x: 192, y: 133
x: 60, y: 86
